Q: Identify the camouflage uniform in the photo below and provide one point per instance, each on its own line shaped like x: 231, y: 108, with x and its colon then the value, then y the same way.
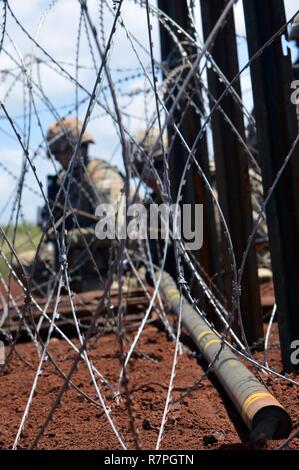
x: 150, y: 144
x: 92, y: 183
x: 146, y: 140
x: 102, y: 184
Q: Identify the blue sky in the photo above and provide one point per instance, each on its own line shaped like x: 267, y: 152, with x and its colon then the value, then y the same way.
x: 56, y: 29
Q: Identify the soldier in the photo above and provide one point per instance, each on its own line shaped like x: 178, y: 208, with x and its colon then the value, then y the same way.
x: 139, y: 155
x: 147, y: 158
x: 73, y: 195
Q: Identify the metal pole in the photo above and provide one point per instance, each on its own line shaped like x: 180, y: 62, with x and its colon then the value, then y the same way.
x: 194, y: 191
x: 271, y: 75
x: 232, y: 174
x: 262, y: 413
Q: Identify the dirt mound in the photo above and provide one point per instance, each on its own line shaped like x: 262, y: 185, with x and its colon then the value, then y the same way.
x: 201, y: 419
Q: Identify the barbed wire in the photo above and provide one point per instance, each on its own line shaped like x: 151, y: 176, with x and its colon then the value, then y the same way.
x: 102, y: 93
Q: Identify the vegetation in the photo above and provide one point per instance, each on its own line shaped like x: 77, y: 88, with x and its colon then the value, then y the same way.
x: 26, y: 238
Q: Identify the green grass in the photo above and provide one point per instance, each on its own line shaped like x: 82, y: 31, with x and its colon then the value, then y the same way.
x: 22, y: 242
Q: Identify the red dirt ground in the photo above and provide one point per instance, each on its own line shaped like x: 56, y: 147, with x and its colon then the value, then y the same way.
x: 204, y: 419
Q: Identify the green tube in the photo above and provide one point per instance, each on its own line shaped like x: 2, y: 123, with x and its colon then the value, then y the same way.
x: 262, y: 413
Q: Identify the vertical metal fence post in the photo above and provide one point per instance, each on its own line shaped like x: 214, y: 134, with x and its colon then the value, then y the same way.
x: 277, y: 129
x: 190, y: 125
x: 231, y: 160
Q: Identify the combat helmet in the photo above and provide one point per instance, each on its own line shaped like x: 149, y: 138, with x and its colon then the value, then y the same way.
x: 64, y: 133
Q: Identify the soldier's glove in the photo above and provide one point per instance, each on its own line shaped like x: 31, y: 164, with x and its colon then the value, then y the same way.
x: 77, y: 238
